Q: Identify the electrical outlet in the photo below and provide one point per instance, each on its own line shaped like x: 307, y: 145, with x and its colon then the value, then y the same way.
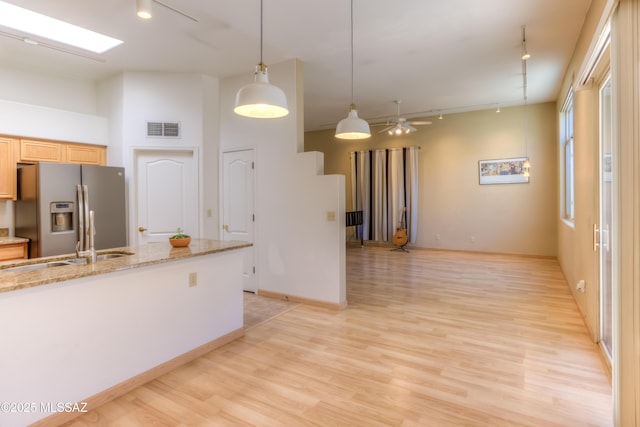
x: 438, y: 237
x: 473, y: 239
x: 581, y: 286
x: 193, y: 279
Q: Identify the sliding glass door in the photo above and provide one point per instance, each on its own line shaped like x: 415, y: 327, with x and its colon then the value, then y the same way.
x: 606, y: 218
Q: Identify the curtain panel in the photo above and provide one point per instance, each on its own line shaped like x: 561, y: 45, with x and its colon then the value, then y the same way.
x: 384, y: 186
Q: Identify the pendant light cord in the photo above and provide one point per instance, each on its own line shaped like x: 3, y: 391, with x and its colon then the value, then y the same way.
x: 351, y: 53
x: 261, y: 19
x: 524, y: 92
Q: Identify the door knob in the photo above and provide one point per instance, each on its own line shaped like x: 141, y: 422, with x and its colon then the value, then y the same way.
x: 226, y: 227
x: 142, y: 229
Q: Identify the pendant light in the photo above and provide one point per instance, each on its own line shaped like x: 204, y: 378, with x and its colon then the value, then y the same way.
x: 143, y: 9
x: 260, y: 99
x: 352, y: 127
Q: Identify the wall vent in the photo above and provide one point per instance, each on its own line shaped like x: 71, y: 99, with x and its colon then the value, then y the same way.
x: 163, y: 129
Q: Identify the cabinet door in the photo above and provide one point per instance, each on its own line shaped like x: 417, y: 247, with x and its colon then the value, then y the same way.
x: 8, y: 169
x: 13, y: 251
x: 41, y: 151
x: 86, y: 154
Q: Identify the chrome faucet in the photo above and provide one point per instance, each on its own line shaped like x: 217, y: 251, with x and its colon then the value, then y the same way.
x: 85, y: 247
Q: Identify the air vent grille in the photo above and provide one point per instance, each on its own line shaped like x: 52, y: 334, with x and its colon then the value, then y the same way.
x: 163, y: 129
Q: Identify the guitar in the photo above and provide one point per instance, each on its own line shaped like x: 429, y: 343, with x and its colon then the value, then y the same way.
x: 400, y: 237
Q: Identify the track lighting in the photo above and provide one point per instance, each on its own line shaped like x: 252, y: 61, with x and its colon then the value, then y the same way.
x: 526, y: 165
x: 525, y: 53
x: 143, y: 9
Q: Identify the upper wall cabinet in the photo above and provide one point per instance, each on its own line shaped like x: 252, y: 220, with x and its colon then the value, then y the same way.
x: 41, y: 151
x: 20, y: 150
x: 87, y: 154
x: 64, y: 152
x: 8, y: 168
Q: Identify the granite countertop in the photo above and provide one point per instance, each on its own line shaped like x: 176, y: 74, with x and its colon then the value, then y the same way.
x: 137, y: 256
x: 12, y: 240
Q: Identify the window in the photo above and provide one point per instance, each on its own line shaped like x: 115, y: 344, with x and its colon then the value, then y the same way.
x: 566, y: 139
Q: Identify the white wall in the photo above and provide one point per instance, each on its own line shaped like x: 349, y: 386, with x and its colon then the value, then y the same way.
x: 132, y: 99
x: 299, y: 252
x: 39, y: 105
x: 28, y: 85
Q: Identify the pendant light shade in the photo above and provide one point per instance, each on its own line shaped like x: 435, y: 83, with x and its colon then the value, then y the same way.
x: 352, y: 127
x: 143, y: 9
x: 261, y: 99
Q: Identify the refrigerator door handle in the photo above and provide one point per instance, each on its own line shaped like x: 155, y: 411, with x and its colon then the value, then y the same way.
x: 80, y: 245
x: 87, y: 222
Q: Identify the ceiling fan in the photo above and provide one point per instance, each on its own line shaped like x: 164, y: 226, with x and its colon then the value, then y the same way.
x: 400, y: 125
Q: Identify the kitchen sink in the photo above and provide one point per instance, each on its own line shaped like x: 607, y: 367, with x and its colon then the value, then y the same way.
x: 109, y: 256
x: 32, y: 267
x: 100, y: 257
x: 63, y: 262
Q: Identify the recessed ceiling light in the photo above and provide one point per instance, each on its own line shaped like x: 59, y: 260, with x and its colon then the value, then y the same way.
x: 53, y: 29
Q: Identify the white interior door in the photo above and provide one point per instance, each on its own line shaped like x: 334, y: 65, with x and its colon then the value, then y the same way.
x: 238, y: 218
x: 166, y: 194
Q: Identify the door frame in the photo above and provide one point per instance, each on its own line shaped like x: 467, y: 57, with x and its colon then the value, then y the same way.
x: 255, y: 206
x: 605, y: 238
x: 133, y: 193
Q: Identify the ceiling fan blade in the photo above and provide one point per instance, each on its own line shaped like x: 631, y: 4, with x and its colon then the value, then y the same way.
x: 412, y: 129
x: 419, y: 123
x: 386, y: 129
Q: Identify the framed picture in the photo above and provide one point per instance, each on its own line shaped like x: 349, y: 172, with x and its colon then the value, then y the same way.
x: 502, y: 171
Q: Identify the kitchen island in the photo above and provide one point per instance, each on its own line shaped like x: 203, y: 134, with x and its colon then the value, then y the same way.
x: 82, y: 334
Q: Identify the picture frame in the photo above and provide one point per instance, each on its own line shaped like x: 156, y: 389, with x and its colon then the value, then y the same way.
x: 502, y: 171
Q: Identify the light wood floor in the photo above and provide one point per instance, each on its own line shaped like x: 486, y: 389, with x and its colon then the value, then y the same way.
x: 430, y: 338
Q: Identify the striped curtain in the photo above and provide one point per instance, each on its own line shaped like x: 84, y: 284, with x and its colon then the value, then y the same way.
x: 383, y: 184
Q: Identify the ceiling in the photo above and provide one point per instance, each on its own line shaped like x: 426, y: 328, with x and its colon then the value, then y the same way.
x: 436, y: 56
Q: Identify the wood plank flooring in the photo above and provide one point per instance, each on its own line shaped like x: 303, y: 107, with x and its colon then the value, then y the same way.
x: 429, y: 338
x: 259, y: 309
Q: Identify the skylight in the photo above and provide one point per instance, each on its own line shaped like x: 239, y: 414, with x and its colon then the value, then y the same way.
x: 44, y: 26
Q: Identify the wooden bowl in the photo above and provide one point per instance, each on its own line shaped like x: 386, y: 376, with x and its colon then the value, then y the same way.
x: 180, y: 243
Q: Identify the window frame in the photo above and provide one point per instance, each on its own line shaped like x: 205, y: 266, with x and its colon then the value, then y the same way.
x: 567, y: 156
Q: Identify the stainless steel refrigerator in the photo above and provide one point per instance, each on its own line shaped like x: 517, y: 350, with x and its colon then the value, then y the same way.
x: 46, y: 210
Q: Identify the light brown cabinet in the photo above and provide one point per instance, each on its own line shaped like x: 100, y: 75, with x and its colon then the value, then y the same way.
x: 7, y: 168
x: 64, y: 152
x: 41, y: 151
x: 14, y: 150
x: 86, y: 154
x: 13, y: 251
